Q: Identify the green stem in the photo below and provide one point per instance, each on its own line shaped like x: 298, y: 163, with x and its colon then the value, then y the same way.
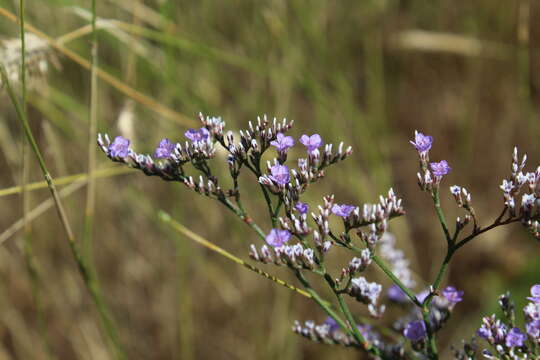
x: 432, y: 344
x: 242, y: 215
x: 384, y: 267
x: 325, y: 305
x: 440, y: 215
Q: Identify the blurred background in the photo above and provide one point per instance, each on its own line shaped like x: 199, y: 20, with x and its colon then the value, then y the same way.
x: 364, y: 72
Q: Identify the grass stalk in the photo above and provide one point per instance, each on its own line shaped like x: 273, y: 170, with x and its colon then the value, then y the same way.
x: 136, y: 95
x: 88, y: 278
x: 92, y: 134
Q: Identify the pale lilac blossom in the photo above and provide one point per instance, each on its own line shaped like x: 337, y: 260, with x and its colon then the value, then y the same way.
x: 164, y: 149
x: 282, y: 142
x: 277, y: 238
x: 312, y: 142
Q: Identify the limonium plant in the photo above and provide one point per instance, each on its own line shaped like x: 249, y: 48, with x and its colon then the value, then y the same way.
x: 299, y: 236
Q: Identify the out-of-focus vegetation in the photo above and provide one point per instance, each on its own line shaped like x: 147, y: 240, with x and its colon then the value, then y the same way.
x: 365, y: 72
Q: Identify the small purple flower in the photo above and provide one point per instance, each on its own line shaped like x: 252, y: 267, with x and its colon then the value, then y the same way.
x: 301, y: 207
x: 280, y: 174
x: 332, y: 324
x: 282, y: 142
x: 395, y: 294
x: 422, y: 142
x: 164, y: 149
x: 277, y: 238
x: 197, y: 135
x: 440, y: 169
x: 452, y: 295
x: 119, y: 147
x: 421, y: 296
x: 342, y: 210
x: 535, y: 292
x: 515, y: 338
x: 312, y: 142
x: 533, y: 329
x: 415, y: 330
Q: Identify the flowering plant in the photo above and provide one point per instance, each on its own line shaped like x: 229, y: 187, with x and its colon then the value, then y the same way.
x: 302, y: 245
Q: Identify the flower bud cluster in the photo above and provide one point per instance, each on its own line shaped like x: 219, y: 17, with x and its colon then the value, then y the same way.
x: 507, y: 340
x: 526, y: 184
x: 323, y: 333
x: 294, y: 256
x: 389, y: 206
x: 367, y: 293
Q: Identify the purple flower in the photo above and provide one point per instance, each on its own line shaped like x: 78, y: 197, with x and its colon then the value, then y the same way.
x: 533, y: 329
x: 415, y: 330
x: 301, y: 207
x: 535, y: 292
x: 312, y: 142
x: 197, y: 135
x: 452, y: 294
x: 440, y: 169
x: 422, y: 142
x: 515, y: 338
x: 395, y: 294
x: 332, y: 324
x: 342, y: 210
x: 119, y: 147
x: 277, y: 238
x: 164, y: 149
x: 282, y: 142
x: 280, y: 174
x: 421, y: 296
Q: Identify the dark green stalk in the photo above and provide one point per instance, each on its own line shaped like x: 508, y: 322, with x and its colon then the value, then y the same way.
x: 87, y: 276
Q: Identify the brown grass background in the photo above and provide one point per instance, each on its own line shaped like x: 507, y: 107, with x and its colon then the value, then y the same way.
x: 365, y: 72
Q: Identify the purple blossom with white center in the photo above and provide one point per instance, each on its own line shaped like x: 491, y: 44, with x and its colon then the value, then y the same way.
x: 119, y: 147
x: 395, y: 293
x: 277, y: 238
x: 535, y: 292
x: 282, y: 142
x: 280, y: 174
x: 452, y: 294
x: 422, y: 142
x: 342, y: 210
x: 440, y: 168
x: 515, y: 338
x: 197, y: 135
x: 164, y: 149
x: 415, y: 330
x: 301, y: 207
x: 533, y: 329
x: 312, y: 142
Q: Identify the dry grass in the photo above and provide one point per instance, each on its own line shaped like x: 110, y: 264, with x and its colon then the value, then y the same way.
x: 332, y: 66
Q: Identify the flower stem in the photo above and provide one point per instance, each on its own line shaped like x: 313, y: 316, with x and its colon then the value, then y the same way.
x: 440, y: 214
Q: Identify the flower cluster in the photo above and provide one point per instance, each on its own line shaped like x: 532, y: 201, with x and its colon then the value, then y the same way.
x: 506, y: 340
x: 302, y: 240
x: 429, y: 176
x: 526, y: 185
